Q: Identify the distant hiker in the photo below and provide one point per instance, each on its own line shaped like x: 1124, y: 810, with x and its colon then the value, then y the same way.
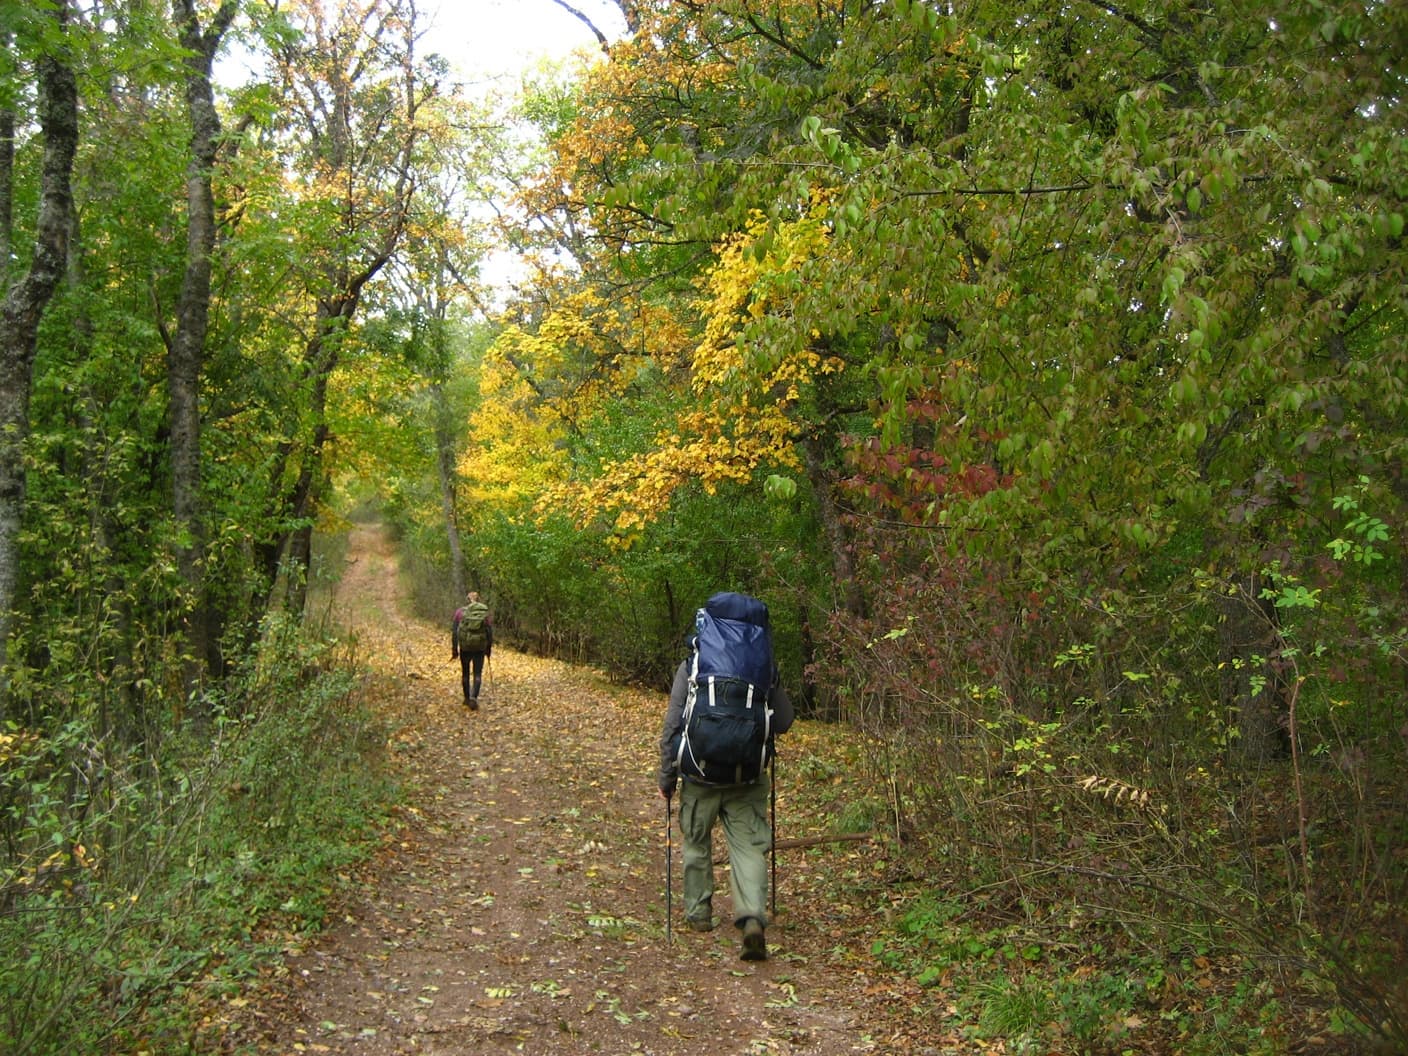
x: 726, y: 706
x: 472, y: 639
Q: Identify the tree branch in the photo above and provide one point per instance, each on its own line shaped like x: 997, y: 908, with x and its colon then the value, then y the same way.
x: 600, y: 36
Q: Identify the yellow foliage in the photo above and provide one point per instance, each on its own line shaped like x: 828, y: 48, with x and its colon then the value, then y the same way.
x: 13, y: 743
x: 538, y: 385
x: 745, y: 406
x: 749, y: 378
x: 512, y: 454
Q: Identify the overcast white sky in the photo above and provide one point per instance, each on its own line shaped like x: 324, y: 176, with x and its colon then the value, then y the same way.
x: 501, y: 38
x: 489, y: 40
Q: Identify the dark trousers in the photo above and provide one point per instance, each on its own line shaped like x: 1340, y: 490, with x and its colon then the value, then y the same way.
x: 471, y: 674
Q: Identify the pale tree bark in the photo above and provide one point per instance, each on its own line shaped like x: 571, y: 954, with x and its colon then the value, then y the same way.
x: 7, y: 185
x: 434, y: 304
x: 432, y: 276
x: 185, y: 353
x: 24, y: 305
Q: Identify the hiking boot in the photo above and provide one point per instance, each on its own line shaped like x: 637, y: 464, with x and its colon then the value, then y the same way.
x: 700, y: 924
x: 755, y: 947
x: 472, y: 704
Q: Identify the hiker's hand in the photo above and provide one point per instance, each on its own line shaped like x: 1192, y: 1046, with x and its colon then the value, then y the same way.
x: 455, y: 655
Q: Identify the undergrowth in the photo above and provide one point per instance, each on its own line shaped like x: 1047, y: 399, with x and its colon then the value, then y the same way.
x: 1052, y: 964
x: 1054, y: 941
x: 140, y: 880
x: 1093, y: 992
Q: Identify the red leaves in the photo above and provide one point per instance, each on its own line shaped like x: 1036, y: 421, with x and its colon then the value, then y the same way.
x: 913, y: 482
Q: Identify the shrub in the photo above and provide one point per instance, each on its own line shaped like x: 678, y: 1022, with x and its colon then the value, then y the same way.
x: 137, y: 877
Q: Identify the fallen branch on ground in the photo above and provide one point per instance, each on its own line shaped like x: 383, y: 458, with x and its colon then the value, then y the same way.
x: 812, y: 841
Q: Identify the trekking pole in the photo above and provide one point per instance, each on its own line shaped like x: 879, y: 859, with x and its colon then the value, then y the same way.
x: 772, y: 824
x: 669, y: 874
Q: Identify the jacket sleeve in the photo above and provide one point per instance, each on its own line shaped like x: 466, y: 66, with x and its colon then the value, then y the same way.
x: 781, y: 705
x: 674, y: 719
x: 455, y: 631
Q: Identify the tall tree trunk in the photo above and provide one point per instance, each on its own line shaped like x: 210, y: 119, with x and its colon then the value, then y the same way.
x: 307, y: 490
x: 298, y: 554
x: 186, y: 353
x: 24, y: 305
x: 823, y: 482
x: 7, y: 185
x: 847, y: 591
x: 445, y: 455
x: 118, y: 705
x: 370, y: 41
x: 1248, y: 649
x: 268, y: 552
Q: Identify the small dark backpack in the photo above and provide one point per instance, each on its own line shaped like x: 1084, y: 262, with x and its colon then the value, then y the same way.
x: 473, y: 633
x: 726, y: 734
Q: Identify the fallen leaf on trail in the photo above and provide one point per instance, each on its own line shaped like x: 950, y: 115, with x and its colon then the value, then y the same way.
x: 506, y: 887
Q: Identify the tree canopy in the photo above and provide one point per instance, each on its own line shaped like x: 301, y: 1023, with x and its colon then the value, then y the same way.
x: 1043, y: 369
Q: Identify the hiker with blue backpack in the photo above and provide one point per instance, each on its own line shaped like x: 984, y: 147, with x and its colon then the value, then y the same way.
x: 472, y: 640
x: 726, y: 707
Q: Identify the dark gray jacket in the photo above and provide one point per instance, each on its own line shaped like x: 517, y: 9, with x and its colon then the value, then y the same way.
x: 778, y: 700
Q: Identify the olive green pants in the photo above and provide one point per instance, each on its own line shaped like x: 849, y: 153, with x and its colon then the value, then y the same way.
x: 743, y: 810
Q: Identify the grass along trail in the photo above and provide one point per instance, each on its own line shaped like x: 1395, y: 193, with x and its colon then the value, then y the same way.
x: 521, y: 908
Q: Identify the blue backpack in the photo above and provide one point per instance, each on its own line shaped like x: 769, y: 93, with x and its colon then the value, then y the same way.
x: 726, y: 734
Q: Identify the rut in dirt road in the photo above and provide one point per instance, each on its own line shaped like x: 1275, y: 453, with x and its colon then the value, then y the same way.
x: 522, y: 909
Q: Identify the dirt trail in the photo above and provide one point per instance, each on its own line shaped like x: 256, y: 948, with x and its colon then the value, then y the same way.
x: 523, y: 909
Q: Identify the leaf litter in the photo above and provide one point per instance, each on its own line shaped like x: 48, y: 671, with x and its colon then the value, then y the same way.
x: 520, y: 905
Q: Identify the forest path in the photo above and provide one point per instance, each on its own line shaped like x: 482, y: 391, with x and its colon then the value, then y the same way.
x: 522, y: 908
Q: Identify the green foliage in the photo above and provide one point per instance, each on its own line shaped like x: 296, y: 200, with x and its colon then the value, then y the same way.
x: 1118, y: 315
x: 1016, y: 1009
x: 866, y: 814
x: 929, y: 938
x: 1098, y: 1008
x: 169, y: 874
x: 1090, y: 530
x: 570, y: 593
x: 1092, y: 994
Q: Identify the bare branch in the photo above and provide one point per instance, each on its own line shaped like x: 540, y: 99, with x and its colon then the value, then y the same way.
x: 600, y: 36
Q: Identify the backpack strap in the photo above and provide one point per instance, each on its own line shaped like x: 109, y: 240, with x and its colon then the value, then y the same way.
x: 713, y: 700
x: 767, y: 736
x: 712, y: 685
x: 688, y: 711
